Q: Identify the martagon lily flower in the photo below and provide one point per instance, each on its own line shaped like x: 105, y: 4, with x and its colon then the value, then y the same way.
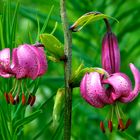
x: 28, y: 61
x: 99, y: 90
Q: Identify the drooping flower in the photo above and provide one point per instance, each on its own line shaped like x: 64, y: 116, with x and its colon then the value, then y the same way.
x: 28, y: 61
x: 93, y: 88
x: 99, y: 90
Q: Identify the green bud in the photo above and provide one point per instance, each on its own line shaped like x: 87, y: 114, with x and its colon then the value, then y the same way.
x: 88, y: 18
x: 54, y: 47
x: 58, y: 106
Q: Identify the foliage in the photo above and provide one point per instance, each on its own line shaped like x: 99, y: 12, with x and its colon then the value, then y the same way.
x: 23, y: 22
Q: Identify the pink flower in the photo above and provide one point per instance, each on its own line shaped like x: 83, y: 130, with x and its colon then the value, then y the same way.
x: 99, y: 90
x: 93, y: 88
x: 27, y: 61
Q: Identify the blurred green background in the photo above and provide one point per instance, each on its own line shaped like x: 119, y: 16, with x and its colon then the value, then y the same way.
x: 87, y: 48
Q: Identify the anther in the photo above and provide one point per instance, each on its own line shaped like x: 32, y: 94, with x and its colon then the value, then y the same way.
x: 11, y: 98
x: 121, y: 125
x: 23, y: 99
x: 129, y: 121
x: 29, y: 99
x: 110, y: 126
x: 6, y: 97
x: 33, y: 100
x: 102, y: 126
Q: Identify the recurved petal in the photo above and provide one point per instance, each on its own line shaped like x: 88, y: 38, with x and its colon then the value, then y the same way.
x: 120, y: 85
x: 25, y: 62
x: 42, y: 65
x: 133, y: 94
x: 5, y: 63
x: 5, y: 55
x: 87, y: 91
x: 98, y: 88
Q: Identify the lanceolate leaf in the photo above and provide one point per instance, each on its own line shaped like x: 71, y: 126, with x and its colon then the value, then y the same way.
x: 4, y: 127
x: 26, y: 120
x: 80, y: 72
x: 88, y: 18
x: 53, y: 46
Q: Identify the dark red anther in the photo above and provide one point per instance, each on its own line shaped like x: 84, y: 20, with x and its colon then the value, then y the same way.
x: 121, y: 125
x: 129, y: 121
x: 11, y: 98
x: 23, y: 99
x: 16, y: 99
x: 29, y: 99
x: 102, y: 126
x: 110, y: 126
x: 7, y: 97
x: 33, y: 100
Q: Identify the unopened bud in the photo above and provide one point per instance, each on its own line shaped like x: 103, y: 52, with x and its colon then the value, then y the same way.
x: 110, y: 53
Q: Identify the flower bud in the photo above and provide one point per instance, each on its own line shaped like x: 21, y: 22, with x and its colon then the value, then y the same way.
x: 110, y: 53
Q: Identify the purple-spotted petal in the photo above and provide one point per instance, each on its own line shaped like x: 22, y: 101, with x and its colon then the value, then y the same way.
x: 120, y: 85
x: 133, y: 94
x: 39, y: 51
x: 88, y: 92
x: 5, y: 63
x: 110, y: 53
x: 25, y: 62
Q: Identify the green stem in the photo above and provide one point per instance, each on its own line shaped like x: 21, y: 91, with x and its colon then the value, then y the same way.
x: 67, y: 68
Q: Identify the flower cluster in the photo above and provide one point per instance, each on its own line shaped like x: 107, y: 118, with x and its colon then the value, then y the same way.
x: 28, y: 61
x: 99, y: 90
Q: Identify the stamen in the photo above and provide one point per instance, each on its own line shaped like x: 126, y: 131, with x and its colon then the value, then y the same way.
x: 11, y: 98
x: 7, y: 97
x: 33, y: 100
x: 110, y: 126
x: 29, y: 99
x: 23, y: 99
x: 129, y: 121
x: 121, y: 125
x: 102, y: 126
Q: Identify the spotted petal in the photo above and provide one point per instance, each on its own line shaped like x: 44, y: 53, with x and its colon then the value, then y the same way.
x: 88, y: 92
x: 120, y: 84
x: 133, y: 94
x: 5, y: 70
x: 93, y: 91
x: 42, y: 65
x: 25, y: 62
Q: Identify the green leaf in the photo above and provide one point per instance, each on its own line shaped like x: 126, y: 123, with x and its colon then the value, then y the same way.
x: 26, y: 120
x: 80, y: 72
x: 53, y: 46
x: 4, y: 126
x: 88, y: 18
